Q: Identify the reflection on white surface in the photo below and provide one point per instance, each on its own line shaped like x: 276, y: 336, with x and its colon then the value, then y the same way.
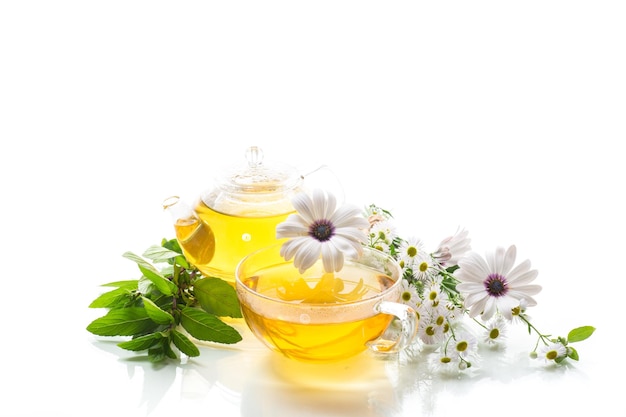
x: 250, y: 381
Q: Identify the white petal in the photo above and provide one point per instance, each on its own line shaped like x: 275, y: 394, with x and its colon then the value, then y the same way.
x: 525, y: 290
x: 349, y: 216
x: 350, y: 247
x: 521, y: 279
x: 331, y: 257
x: 355, y: 235
x: 323, y: 205
x: 490, y: 308
x: 520, y: 269
x: 290, y: 247
x: 509, y: 260
x: 494, y: 259
x: 304, y: 206
x: 306, y: 255
x: 478, y: 307
x: 473, y: 268
x: 293, y: 226
x: 474, y: 297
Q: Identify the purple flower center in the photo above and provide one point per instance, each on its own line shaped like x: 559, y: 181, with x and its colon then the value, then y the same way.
x: 496, y: 285
x: 322, y: 230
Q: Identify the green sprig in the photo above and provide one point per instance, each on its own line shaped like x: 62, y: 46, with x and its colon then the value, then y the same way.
x: 171, y: 295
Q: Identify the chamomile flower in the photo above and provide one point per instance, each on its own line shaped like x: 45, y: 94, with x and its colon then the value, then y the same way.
x: 464, y: 345
x: 320, y: 228
x: 410, y: 251
x: 423, y: 268
x: 382, y: 231
x: 410, y: 296
x: 430, y: 333
x: 495, y: 331
x: 494, y: 285
x: 551, y: 352
x: 445, y: 364
x: 519, y: 310
x: 434, y: 295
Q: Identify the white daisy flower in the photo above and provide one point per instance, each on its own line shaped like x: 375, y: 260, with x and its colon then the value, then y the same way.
x: 383, y: 231
x: 445, y: 364
x: 320, y: 228
x: 495, y: 331
x: 494, y: 285
x: 423, y: 268
x: 409, y: 295
x: 435, y: 296
x: 410, y: 251
x: 465, y: 345
x: 519, y: 310
x: 453, y: 248
x: 551, y: 352
x: 433, y: 325
x: 430, y: 333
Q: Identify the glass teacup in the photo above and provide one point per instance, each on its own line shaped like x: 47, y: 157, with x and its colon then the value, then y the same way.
x: 322, y: 317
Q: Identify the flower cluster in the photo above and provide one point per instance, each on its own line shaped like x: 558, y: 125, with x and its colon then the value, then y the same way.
x: 446, y: 287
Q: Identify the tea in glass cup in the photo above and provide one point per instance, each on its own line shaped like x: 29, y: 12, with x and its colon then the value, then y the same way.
x: 319, y: 316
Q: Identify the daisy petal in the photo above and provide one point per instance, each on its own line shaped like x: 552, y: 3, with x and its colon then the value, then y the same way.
x: 306, y: 255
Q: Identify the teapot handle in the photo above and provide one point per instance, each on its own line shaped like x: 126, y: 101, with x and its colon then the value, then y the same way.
x: 323, y: 177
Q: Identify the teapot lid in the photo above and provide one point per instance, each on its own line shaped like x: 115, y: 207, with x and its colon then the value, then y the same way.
x: 257, y: 177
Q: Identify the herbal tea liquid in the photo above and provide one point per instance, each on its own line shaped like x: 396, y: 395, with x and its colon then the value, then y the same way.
x: 220, y: 241
x: 316, y: 323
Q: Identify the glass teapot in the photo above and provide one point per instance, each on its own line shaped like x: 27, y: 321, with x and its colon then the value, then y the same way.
x: 240, y: 213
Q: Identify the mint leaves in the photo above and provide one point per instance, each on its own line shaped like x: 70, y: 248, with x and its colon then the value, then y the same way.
x: 170, y: 294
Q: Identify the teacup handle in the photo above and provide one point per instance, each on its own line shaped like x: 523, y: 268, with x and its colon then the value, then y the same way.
x: 408, y: 320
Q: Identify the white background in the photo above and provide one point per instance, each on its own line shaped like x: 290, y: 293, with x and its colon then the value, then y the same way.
x: 506, y: 118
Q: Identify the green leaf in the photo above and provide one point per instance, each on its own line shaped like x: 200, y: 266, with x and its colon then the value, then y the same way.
x: 128, y: 284
x: 111, y: 299
x: 580, y: 333
x: 144, y: 342
x: 145, y: 286
x: 185, y: 345
x: 205, y: 326
x: 572, y: 353
x: 122, y: 322
x: 173, y: 245
x: 163, y: 284
x: 149, y: 271
x: 218, y: 297
x: 156, y: 354
x: 167, y: 349
x: 159, y: 253
x: 155, y: 312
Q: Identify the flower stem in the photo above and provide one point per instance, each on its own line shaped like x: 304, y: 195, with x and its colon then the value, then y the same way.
x: 542, y: 337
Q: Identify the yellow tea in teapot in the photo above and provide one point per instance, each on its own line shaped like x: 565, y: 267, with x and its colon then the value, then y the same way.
x: 220, y: 241
x: 317, y: 316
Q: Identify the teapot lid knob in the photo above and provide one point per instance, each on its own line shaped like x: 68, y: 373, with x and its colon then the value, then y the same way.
x: 254, y: 156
